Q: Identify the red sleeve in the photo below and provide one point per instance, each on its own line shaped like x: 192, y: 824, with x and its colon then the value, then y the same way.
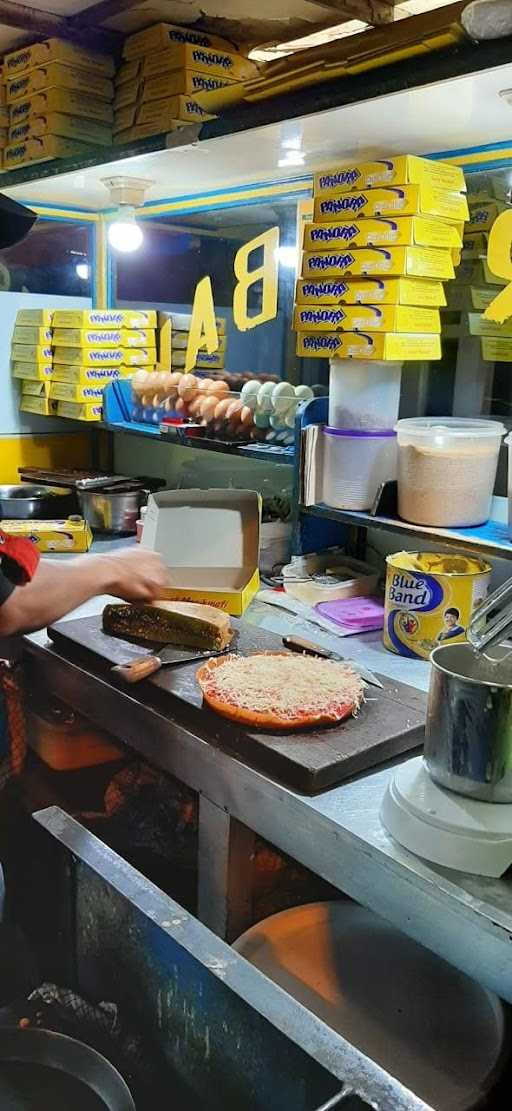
x: 20, y: 558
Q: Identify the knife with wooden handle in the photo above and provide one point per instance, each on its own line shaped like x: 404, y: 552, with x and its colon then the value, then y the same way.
x: 297, y: 644
x: 133, y: 671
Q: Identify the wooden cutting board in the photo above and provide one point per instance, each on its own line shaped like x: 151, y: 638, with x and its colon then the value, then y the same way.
x: 391, y: 721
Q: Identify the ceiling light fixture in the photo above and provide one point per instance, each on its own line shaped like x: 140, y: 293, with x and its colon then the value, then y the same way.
x: 127, y: 194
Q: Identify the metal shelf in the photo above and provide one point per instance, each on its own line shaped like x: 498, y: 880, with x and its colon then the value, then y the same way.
x: 264, y: 453
x: 491, y: 539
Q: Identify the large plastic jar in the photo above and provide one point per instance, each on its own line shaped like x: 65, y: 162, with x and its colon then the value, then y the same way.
x: 446, y: 470
x: 364, y: 394
x: 355, y: 465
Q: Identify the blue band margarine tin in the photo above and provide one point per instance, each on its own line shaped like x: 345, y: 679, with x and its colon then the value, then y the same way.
x: 430, y: 599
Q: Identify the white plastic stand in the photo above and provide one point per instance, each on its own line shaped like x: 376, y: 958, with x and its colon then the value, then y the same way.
x: 445, y: 828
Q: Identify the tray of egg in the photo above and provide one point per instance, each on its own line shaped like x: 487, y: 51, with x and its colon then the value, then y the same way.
x: 192, y: 405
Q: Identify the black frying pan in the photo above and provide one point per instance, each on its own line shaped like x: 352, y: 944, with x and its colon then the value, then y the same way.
x: 44, y: 1071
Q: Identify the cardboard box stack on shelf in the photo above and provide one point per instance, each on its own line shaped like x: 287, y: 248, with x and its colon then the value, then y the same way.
x: 59, y: 99
x: 385, y: 237
x: 163, y: 67
x: 93, y: 347
x: 4, y: 119
x: 174, y: 332
x: 32, y: 360
x: 495, y: 338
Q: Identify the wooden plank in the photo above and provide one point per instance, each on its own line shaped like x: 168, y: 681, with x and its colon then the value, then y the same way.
x: 375, y: 12
x: 390, y: 722
x: 36, y: 23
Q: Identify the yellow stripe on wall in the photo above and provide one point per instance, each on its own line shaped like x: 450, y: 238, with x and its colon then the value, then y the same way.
x: 57, y: 450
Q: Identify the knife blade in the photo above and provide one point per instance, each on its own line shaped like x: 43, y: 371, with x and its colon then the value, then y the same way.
x: 141, y: 667
x: 297, y: 644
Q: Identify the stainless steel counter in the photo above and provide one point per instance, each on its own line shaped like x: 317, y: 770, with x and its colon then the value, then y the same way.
x: 338, y: 835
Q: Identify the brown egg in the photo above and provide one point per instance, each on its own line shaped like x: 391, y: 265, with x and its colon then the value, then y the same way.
x: 176, y: 377
x: 146, y: 399
x: 203, y: 385
x: 221, y: 408
x: 180, y: 406
x: 220, y: 388
x: 235, y: 411
x: 246, y: 417
x: 194, y: 407
x: 208, y: 406
x: 187, y: 387
x: 139, y: 381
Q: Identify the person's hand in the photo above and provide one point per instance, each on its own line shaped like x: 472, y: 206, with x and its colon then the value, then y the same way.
x: 136, y: 575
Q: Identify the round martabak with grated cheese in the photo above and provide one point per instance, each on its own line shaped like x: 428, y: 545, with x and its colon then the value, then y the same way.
x: 280, y: 691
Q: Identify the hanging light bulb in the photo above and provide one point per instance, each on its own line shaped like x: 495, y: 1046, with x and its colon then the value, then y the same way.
x: 124, y: 233
x: 82, y: 271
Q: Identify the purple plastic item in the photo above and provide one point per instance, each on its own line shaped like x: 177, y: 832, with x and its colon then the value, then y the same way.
x: 360, y: 615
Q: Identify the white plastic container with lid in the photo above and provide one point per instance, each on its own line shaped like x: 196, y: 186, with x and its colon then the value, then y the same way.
x: 446, y: 470
x: 364, y: 394
x: 356, y: 462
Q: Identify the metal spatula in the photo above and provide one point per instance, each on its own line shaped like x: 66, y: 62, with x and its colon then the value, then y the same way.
x: 143, y: 666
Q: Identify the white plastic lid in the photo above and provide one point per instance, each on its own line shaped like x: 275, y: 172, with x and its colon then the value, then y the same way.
x: 450, y: 426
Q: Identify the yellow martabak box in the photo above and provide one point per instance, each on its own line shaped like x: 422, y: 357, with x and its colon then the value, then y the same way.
x: 105, y: 356
x: 73, y: 535
x: 55, y: 50
x: 416, y: 262
x: 186, y: 526
x: 482, y: 217
x: 164, y: 111
x: 370, y: 291
x: 497, y: 349
x: 128, y: 73
x: 104, y: 318
x: 178, y: 81
x: 88, y: 411
x: 200, y: 59
x: 41, y: 149
x: 44, y: 406
x: 479, y: 326
x: 367, y: 318
x: 407, y: 231
x: 39, y: 318
x: 66, y: 127
x: 203, y: 360
x: 38, y: 372
x: 162, y: 35
x: 66, y: 391
x: 407, y: 200
x: 397, y: 347
x: 93, y: 375
x: 56, y: 76
x: 406, y: 169
x: 31, y: 335
x: 31, y: 353
x: 101, y: 337
x: 35, y: 389
x: 61, y: 100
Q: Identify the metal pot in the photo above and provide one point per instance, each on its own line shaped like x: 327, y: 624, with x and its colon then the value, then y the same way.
x: 468, y: 736
x: 116, y: 510
x: 26, y: 502
x: 38, y: 1051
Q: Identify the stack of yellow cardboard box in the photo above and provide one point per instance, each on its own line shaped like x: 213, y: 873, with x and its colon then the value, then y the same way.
x: 163, y: 67
x: 32, y: 360
x: 4, y: 119
x: 59, y: 98
x: 496, y: 339
x: 174, y: 334
x: 92, y: 347
x: 385, y: 237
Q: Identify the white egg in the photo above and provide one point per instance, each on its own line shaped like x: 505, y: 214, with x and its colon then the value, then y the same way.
x: 289, y: 419
x: 304, y: 393
x: 264, y: 403
x: 249, y: 393
x: 261, y: 420
x: 282, y: 395
x: 277, y: 421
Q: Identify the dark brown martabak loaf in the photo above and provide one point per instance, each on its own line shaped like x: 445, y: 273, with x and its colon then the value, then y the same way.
x: 182, y: 623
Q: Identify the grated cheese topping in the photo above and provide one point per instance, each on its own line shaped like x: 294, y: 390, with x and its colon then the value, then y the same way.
x: 285, y: 685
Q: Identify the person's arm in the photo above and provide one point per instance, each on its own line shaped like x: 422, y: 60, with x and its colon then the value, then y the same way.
x: 57, y: 588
